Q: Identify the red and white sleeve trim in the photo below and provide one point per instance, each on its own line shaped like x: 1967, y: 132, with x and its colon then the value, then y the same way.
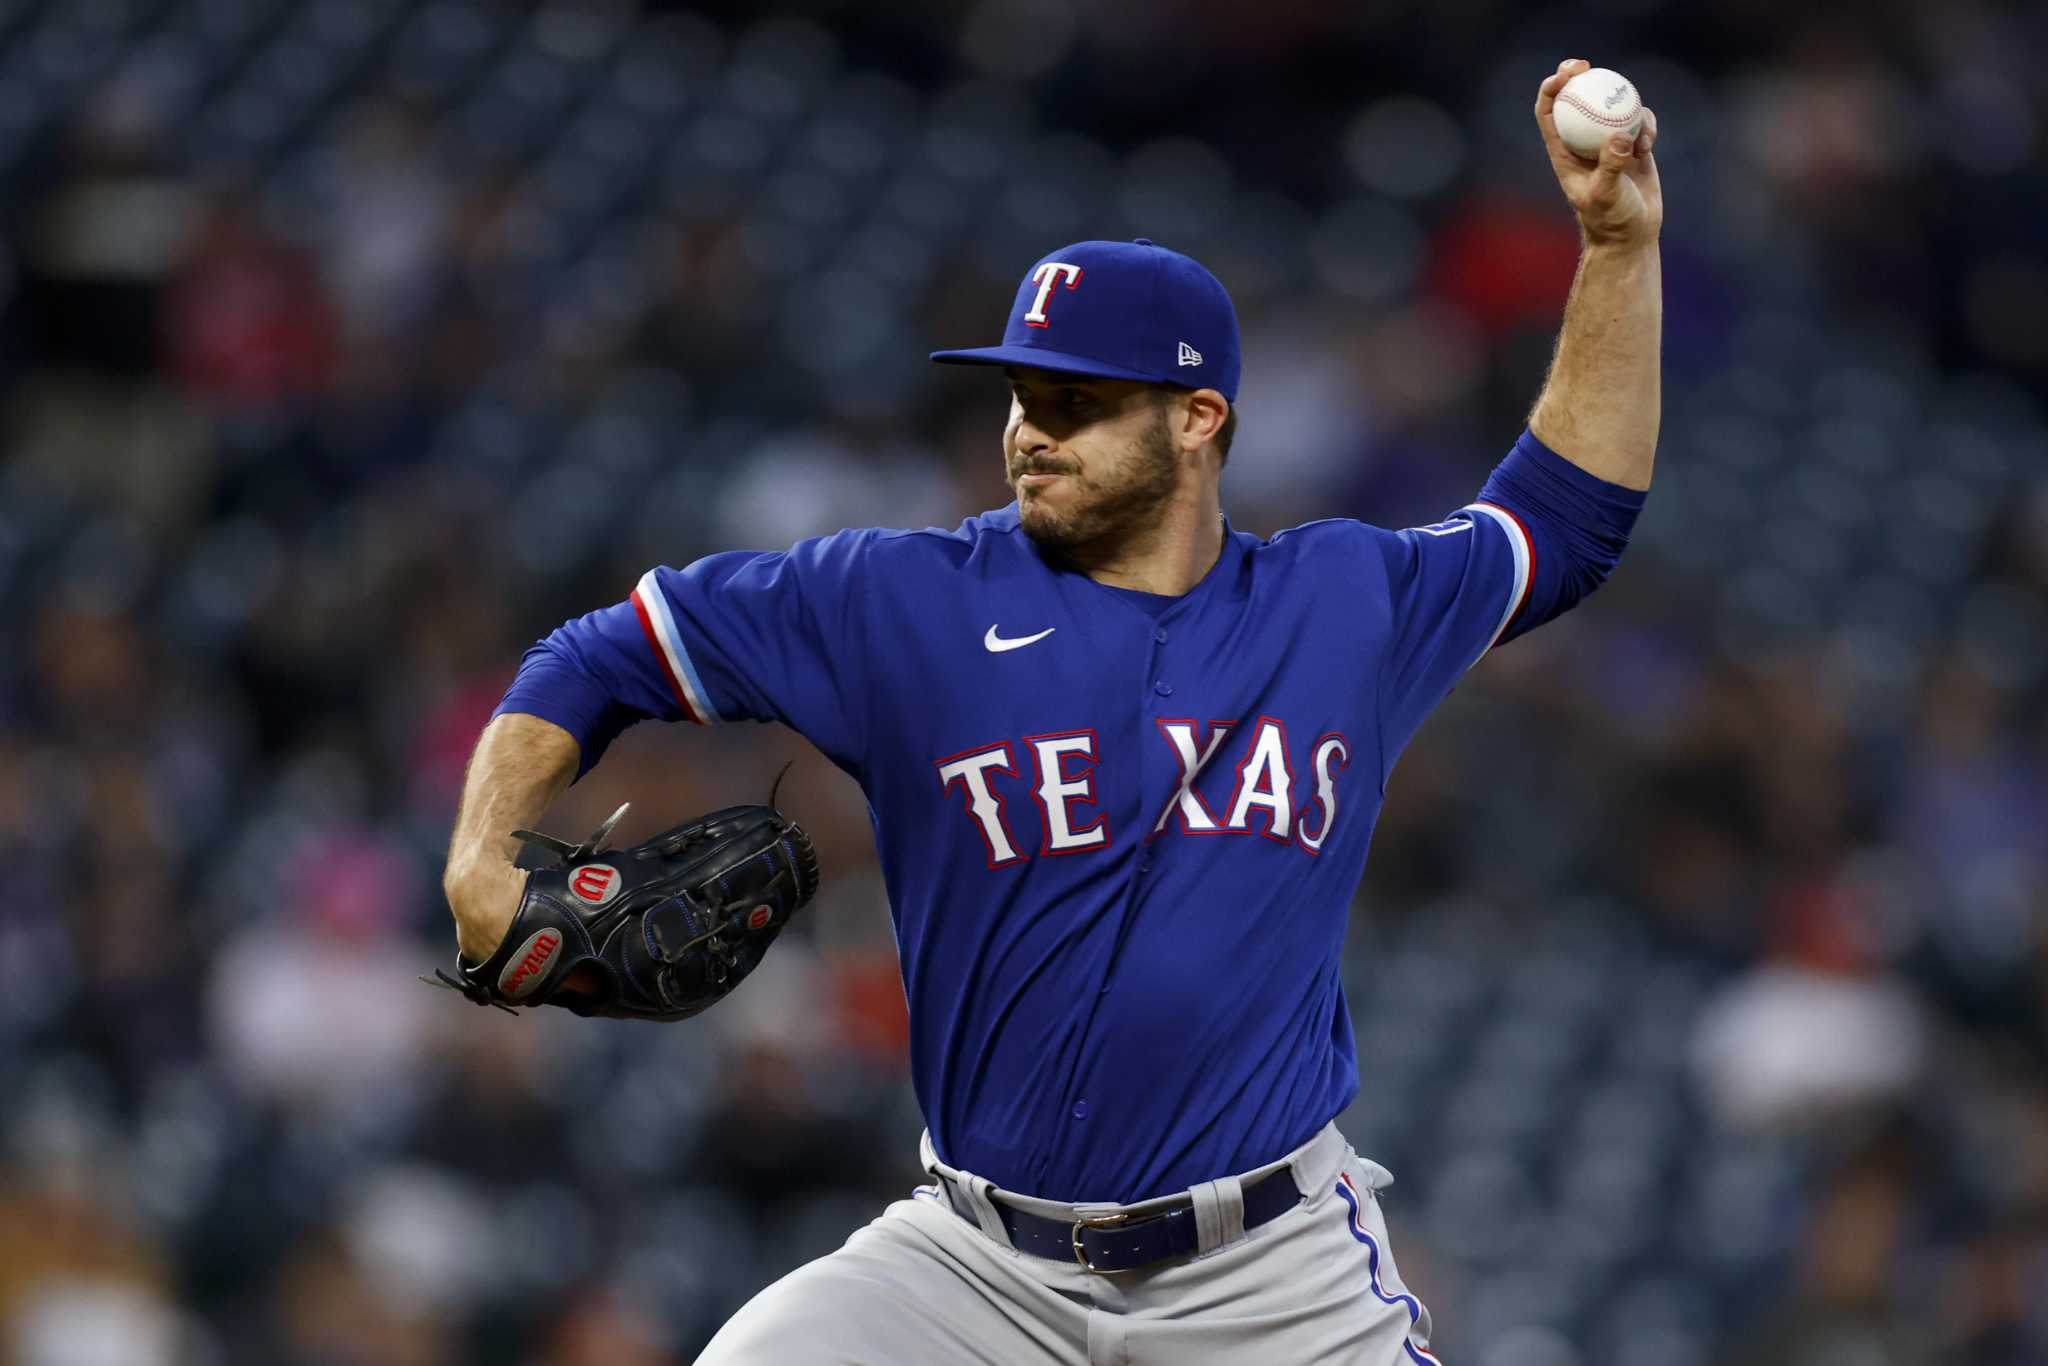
x: 1524, y: 551
x: 667, y: 644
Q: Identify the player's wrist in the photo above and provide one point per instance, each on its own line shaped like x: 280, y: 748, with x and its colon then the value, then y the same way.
x: 484, y: 897
x: 1625, y: 246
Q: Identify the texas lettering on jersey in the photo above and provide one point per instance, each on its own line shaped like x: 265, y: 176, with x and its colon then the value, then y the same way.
x: 1061, y: 781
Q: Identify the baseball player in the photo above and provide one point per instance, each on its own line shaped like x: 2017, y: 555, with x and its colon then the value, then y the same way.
x: 1124, y: 763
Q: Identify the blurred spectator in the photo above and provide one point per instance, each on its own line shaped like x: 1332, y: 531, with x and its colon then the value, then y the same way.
x: 249, y: 326
x: 1787, y: 1047
x: 382, y: 230
x: 77, y: 1288
x: 601, y: 1330
x: 1847, y: 1303
x: 331, y: 1315
x: 277, y: 987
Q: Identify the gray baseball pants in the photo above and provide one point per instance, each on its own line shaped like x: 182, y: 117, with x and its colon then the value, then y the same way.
x: 935, y: 1282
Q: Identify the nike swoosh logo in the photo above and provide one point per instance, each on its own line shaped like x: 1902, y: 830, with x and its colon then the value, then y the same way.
x: 996, y: 644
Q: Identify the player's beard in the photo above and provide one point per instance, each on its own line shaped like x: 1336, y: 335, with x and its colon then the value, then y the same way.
x: 1122, y: 500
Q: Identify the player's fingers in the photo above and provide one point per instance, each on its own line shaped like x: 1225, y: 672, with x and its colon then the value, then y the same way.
x: 1615, y: 156
x: 1546, y: 121
x: 1647, y: 138
x: 1546, y: 93
x: 1644, y: 169
x: 1555, y: 81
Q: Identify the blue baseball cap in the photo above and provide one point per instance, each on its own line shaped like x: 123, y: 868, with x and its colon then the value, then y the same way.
x: 1120, y: 310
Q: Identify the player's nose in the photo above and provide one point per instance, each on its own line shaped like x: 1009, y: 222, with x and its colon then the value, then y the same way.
x: 1031, y: 439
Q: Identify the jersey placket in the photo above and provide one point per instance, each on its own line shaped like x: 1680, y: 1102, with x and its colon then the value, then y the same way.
x: 1154, y: 696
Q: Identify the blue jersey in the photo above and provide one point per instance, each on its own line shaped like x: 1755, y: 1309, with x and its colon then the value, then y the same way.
x: 1120, y: 836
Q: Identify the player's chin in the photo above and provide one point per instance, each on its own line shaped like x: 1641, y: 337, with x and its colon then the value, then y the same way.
x: 1045, y: 523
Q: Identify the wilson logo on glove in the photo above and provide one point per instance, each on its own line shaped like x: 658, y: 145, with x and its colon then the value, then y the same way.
x: 759, y: 917
x: 596, y: 883
x: 524, y: 972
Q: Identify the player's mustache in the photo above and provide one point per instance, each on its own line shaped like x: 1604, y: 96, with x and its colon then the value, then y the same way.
x: 1038, y: 467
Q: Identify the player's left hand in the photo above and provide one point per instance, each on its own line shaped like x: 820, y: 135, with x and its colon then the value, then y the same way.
x: 660, y: 931
x: 1618, y: 198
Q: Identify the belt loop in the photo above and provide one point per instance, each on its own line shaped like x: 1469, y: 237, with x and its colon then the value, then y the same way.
x: 976, y: 1189
x: 1219, y: 1212
x: 1317, y: 1162
x: 964, y: 1188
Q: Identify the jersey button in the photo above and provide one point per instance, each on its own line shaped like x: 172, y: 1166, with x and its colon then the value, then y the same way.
x: 1163, y: 689
x: 1159, y: 636
x: 1080, y: 1109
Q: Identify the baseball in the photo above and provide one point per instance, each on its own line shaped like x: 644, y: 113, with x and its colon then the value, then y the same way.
x: 1594, y: 106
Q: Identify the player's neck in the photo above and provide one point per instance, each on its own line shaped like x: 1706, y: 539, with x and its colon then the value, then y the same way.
x: 1168, y: 557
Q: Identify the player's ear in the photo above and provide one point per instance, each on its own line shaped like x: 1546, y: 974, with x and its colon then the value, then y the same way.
x: 1201, y: 418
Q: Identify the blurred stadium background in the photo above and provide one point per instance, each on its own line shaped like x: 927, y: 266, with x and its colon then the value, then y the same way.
x: 1701, y: 973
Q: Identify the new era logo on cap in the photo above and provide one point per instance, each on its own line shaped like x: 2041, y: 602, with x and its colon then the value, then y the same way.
x: 1118, y: 310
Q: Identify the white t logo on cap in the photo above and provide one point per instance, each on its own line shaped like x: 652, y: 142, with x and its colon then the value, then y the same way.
x: 1045, y: 277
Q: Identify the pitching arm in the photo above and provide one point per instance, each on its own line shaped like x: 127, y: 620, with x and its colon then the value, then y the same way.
x: 1601, y: 405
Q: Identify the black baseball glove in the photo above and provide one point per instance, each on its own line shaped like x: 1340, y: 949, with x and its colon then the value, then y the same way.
x: 666, y: 928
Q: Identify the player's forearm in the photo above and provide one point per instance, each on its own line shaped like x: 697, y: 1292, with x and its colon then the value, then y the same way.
x: 520, y: 766
x: 1602, y: 402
